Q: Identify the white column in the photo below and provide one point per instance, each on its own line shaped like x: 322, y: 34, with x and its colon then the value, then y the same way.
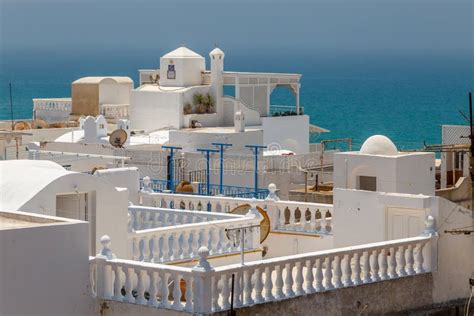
x: 444, y: 162
x: 465, y: 169
x: 298, y: 99
x: 269, y: 92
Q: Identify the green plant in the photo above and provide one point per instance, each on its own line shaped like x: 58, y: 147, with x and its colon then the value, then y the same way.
x: 197, y: 98
x: 210, y: 104
x: 188, y: 108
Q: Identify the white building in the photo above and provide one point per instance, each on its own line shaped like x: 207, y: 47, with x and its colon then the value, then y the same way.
x: 182, y: 94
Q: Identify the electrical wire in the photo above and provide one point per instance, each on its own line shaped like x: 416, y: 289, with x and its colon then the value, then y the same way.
x: 468, y: 303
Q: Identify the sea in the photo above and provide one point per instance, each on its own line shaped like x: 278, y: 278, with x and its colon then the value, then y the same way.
x: 405, y: 96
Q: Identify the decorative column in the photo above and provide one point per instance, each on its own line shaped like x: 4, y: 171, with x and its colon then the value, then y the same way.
x: 202, y: 278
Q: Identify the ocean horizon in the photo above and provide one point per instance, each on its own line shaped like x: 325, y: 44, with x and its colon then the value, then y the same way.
x: 406, y: 97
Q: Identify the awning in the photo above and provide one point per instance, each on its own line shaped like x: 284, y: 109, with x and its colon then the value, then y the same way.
x: 313, y: 129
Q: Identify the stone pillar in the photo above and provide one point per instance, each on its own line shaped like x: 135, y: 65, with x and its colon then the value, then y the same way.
x: 444, y: 162
x: 203, y: 283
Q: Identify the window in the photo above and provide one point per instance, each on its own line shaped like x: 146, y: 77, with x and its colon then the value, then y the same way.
x: 171, y: 72
x: 367, y: 183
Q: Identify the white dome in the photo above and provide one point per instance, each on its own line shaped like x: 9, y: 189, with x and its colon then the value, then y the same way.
x: 182, y: 52
x: 379, y: 145
x: 216, y: 52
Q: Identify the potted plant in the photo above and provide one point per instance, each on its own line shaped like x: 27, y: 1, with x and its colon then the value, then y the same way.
x: 188, y: 108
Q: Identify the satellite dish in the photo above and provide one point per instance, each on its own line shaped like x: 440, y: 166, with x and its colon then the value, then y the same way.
x: 117, y: 138
x: 264, y: 223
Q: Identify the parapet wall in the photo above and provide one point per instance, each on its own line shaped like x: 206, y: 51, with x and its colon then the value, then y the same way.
x: 391, y: 296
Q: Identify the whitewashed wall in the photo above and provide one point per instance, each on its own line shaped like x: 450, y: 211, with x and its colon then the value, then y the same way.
x: 45, y: 270
x: 287, y: 132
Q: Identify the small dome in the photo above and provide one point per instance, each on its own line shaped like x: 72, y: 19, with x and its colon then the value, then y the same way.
x: 379, y: 145
x: 216, y: 52
x: 182, y: 52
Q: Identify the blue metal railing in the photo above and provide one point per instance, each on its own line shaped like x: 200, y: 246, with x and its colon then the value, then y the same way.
x: 156, y: 184
x: 284, y: 110
x: 227, y: 190
x: 231, y: 190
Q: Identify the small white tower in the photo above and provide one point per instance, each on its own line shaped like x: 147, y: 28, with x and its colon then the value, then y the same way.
x: 125, y: 125
x: 217, y: 79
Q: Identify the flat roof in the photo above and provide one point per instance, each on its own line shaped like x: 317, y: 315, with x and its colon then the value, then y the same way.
x: 12, y: 220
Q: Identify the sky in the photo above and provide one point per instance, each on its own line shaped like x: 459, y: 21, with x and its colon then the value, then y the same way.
x: 244, y: 27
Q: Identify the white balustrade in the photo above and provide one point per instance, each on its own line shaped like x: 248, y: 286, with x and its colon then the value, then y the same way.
x: 59, y: 104
x: 285, y: 215
x: 204, y: 289
x: 115, y: 111
x: 304, y: 217
x: 142, y: 218
x: 181, y: 242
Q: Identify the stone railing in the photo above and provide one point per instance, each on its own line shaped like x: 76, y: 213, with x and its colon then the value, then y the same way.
x: 219, y: 204
x: 114, y: 111
x: 181, y: 242
x: 204, y: 289
x: 304, y: 217
x: 284, y: 215
x: 52, y: 110
x: 142, y: 218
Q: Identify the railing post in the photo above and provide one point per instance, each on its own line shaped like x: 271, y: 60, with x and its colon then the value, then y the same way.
x: 104, y: 271
x: 203, y: 281
x: 430, y: 262
x: 272, y: 209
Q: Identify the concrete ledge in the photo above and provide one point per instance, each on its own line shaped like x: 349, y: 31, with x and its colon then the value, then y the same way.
x: 386, y: 297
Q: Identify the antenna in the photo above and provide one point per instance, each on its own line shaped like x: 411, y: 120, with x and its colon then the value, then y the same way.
x: 11, y: 104
x: 471, y: 136
x: 118, y: 138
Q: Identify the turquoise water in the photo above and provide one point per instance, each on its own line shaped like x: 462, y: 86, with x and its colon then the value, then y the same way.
x: 406, y: 97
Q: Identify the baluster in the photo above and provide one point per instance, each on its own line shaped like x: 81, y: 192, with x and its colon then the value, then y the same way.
x: 319, y: 275
x: 185, y: 245
x: 337, y: 272
x: 214, y: 294
x: 282, y: 218
x: 278, y: 283
x: 312, y: 220
x: 152, y: 300
x: 347, y: 281
x: 366, y: 267
x: 299, y: 279
x: 289, y: 280
x: 177, y: 292
x: 128, y: 285
x: 223, y: 241
x: 268, y: 285
x: 247, y: 299
x: 401, y: 261
x: 135, y: 249
x: 225, y: 292
x: 237, y: 289
x: 292, y: 219
x: 204, y: 238
x: 357, y: 280
x: 328, y: 274
x: 140, y: 287
x: 164, y: 291
x: 117, y: 283
x: 214, y: 241
x: 165, y: 248
x: 383, y: 264
x: 189, y: 293
x: 155, y: 220
x: 410, y: 260
x: 175, y: 246
x: 156, y: 249
x: 375, y: 266
x: 323, y: 229
x: 258, y: 286
x: 165, y: 219
x: 419, y: 259
x: 308, y: 278
x: 392, y: 263
x: 194, y: 243
x: 146, y: 249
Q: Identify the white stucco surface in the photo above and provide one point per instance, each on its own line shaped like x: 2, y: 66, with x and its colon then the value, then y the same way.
x: 22, y: 179
x: 44, y: 268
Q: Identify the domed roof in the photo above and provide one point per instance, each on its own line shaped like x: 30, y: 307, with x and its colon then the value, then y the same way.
x: 379, y: 145
x: 216, y: 52
x: 182, y: 52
